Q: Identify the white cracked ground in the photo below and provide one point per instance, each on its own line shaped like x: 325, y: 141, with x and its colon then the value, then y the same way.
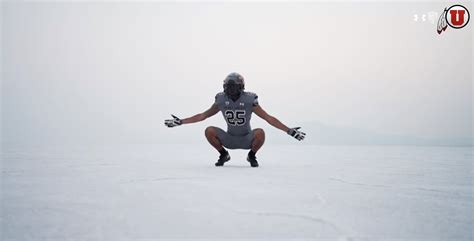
x: 174, y: 192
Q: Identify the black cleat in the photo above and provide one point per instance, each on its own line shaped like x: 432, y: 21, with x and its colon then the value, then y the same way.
x: 223, y: 158
x: 252, y: 160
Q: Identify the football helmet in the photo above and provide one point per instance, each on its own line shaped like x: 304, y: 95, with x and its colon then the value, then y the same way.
x: 234, y: 85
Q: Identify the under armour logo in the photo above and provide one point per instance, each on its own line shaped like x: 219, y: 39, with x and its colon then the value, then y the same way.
x: 241, y: 104
x: 227, y: 103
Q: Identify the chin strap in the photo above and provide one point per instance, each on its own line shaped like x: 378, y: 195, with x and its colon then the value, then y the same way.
x: 234, y: 98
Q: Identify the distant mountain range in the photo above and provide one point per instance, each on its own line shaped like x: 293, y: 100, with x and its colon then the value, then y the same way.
x: 320, y: 133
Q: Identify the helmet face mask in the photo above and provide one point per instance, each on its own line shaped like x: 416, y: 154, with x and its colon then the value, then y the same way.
x: 233, y: 90
x: 234, y: 85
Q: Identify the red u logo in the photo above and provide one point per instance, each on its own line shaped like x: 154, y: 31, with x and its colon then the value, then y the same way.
x: 457, y: 17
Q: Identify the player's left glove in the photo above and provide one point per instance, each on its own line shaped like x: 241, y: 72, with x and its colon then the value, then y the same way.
x: 294, y: 132
x: 173, y: 122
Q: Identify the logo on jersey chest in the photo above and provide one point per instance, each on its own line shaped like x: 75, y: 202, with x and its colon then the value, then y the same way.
x: 240, y: 104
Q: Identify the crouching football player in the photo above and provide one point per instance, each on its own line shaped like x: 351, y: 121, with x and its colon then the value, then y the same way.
x: 237, y: 107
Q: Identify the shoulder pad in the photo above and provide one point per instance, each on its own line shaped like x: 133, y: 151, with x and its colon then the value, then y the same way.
x: 250, y: 93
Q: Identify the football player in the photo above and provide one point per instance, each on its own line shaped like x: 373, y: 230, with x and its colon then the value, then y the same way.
x: 237, y: 107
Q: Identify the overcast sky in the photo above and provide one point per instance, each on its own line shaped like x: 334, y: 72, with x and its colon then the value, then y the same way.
x: 76, y: 70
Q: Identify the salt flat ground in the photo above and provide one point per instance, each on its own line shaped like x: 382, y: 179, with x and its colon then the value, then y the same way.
x: 174, y: 192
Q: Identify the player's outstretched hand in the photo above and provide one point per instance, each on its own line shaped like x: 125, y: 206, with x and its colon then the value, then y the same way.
x: 294, y: 132
x: 173, y: 122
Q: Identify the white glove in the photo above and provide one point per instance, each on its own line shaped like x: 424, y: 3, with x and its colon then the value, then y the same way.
x: 173, y: 122
x: 294, y: 132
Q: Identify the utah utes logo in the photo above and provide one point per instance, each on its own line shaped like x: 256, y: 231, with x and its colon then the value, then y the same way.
x: 456, y: 16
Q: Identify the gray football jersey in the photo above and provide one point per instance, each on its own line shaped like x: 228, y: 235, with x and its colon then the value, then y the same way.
x: 237, y: 114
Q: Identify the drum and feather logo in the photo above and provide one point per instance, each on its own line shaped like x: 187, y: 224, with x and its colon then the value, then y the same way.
x: 456, y: 16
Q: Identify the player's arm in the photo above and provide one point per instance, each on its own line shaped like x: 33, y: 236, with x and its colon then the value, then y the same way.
x: 195, y: 118
x: 294, y: 132
x: 201, y: 116
x: 258, y: 110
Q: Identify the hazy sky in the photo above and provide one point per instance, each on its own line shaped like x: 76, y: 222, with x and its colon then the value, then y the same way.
x: 84, y: 70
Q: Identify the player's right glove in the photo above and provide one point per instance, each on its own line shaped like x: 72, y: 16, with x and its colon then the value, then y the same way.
x: 294, y: 132
x: 173, y: 122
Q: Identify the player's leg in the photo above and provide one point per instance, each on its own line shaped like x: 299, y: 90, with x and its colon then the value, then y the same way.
x: 257, y: 143
x: 212, y: 136
x: 258, y: 139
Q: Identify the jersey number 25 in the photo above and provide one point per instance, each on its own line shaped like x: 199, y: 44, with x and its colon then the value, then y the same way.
x: 235, y: 118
